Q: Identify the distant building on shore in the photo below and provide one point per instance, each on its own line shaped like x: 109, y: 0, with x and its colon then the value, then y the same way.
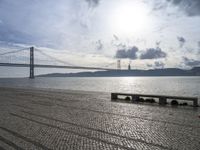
x: 119, y: 64
x: 129, y: 66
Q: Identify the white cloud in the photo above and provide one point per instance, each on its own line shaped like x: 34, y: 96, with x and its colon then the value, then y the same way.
x: 73, y: 26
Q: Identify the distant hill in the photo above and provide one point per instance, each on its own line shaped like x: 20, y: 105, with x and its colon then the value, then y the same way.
x: 125, y: 73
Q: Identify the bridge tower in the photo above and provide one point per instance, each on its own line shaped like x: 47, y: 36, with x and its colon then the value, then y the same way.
x: 31, y: 63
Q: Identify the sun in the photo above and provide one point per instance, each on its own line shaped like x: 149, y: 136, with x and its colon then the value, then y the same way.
x: 129, y: 18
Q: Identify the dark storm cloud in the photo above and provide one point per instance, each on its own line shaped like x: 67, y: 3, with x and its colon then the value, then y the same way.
x: 93, y: 3
x: 181, y: 41
x: 130, y: 53
x: 191, y: 62
x: 99, y: 45
x: 153, y: 53
x: 190, y: 7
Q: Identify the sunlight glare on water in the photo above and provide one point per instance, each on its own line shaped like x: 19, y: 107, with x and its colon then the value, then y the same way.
x: 179, y: 86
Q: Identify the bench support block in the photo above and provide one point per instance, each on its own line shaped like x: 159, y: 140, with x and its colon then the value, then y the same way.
x: 135, y: 98
x: 113, y: 96
x: 195, y: 103
x: 162, y: 101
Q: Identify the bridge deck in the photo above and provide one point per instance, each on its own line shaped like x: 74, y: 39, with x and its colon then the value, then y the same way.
x: 53, y: 66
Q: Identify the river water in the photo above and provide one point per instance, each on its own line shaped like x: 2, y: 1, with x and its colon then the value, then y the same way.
x: 179, y: 86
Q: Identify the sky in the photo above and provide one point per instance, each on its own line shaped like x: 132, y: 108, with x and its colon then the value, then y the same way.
x: 147, y: 34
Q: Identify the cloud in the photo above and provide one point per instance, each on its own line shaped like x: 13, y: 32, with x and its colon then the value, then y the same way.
x: 61, y: 25
x: 157, y: 65
x: 127, y: 53
x: 190, y: 7
x: 181, y: 41
x: 158, y: 43
x: 175, y: 1
x: 153, y: 53
x: 191, y: 62
x: 99, y: 45
x: 93, y: 3
x: 14, y: 35
x: 199, y: 47
x: 34, y: 22
x: 158, y: 5
x: 117, y: 43
x: 115, y: 37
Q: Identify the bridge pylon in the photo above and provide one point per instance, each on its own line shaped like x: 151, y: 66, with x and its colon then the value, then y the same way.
x: 31, y: 63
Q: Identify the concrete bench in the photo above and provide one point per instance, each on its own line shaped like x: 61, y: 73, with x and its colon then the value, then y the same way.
x: 162, y: 98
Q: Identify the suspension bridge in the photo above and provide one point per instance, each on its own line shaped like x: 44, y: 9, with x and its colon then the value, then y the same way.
x: 28, y: 57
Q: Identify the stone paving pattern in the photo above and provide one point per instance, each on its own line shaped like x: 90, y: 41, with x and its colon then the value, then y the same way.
x: 57, y: 119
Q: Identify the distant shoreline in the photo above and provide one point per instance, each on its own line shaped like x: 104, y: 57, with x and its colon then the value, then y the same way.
x: 130, y: 73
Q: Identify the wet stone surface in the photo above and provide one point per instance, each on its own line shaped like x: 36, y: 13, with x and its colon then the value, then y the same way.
x: 53, y: 119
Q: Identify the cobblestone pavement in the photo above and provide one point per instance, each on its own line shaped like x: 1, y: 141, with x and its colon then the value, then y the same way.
x: 55, y: 119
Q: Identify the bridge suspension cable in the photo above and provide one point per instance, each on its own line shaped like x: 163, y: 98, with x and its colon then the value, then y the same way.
x: 15, y: 51
x: 110, y: 64
x: 54, y: 58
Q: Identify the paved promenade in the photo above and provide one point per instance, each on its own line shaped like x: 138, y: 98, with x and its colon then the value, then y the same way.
x: 55, y: 119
